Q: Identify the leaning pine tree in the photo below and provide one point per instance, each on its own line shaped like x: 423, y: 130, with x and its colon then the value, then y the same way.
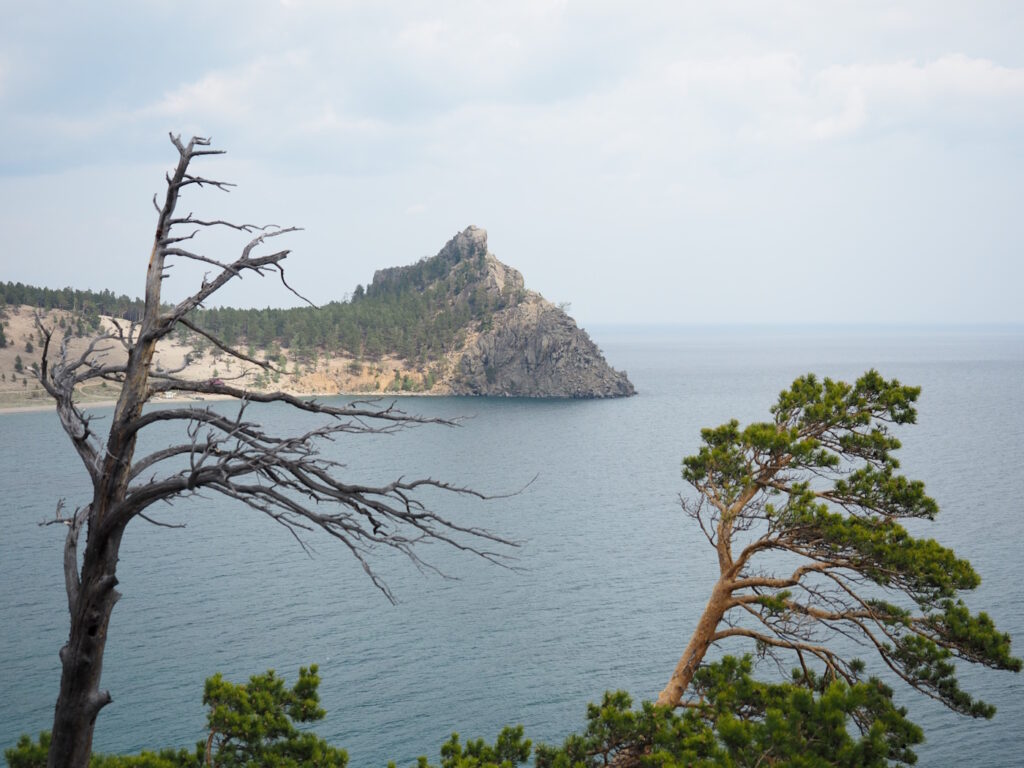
x: 804, y: 513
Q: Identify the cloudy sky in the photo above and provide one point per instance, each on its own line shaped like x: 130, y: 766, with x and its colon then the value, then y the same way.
x: 649, y: 162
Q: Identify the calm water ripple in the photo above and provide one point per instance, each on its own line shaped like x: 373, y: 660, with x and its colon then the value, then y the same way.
x: 613, y: 575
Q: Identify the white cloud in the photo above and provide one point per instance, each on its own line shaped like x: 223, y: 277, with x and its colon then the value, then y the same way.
x: 423, y: 38
x: 777, y: 98
x: 719, y: 126
x: 951, y: 88
x: 953, y: 75
x: 847, y: 121
x: 240, y: 93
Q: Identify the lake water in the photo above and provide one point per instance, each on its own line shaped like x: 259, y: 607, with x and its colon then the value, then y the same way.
x: 611, y: 576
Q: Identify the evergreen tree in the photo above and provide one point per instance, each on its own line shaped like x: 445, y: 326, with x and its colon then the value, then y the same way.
x: 251, y: 725
x: 739, y: 721
x: 254, y: 724
x: 804, y: 512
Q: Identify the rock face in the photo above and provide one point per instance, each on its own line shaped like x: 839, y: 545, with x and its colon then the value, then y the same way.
x: 524, y: 346
x: 534, y: 349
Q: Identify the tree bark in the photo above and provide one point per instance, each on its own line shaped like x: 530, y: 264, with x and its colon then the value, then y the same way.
x: 80, y: 698
x: 698, y: 646
x: 92, y: 599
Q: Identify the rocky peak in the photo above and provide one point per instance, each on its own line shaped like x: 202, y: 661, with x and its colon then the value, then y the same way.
x: 470, y: 247
x: 468, y: 244
x: 528, y: 347
x: 515, y: 342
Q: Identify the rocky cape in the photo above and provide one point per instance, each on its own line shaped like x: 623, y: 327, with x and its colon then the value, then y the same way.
x: 523, y: 345
x: 458, y: 323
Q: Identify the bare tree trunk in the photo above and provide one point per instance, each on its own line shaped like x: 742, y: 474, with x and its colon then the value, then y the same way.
x: 698, y: 646
x: 92, y: 596
x: 80, y: 700
x: 283, y: 477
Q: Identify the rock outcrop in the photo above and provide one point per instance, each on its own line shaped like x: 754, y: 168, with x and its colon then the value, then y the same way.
x: 521, y: 345
x: 534, y: 349
x: 458, y: 323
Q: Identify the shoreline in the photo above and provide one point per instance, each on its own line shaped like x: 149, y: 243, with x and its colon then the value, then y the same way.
x: 50, y: 405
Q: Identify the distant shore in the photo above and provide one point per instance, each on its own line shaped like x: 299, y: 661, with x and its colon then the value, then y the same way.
x: 33, y: 408
x: 48, y: 405
x: 340, y: 376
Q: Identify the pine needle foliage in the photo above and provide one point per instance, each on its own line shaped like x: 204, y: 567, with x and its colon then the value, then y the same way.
x: 806, y: 513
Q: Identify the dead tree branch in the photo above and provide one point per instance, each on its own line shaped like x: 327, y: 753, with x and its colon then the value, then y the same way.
x: 286, y: 477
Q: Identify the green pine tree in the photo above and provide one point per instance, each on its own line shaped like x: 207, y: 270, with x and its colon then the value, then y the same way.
x: 805, y: 513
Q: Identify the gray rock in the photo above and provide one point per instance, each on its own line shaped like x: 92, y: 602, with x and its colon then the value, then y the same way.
x: 531, y: 348
x: 516, y: 343
x: 534, y: 349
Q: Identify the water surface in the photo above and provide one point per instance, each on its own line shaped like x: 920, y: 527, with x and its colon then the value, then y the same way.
x: 611, y: 576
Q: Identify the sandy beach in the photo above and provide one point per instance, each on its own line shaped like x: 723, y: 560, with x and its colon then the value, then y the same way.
x: 20, y: 390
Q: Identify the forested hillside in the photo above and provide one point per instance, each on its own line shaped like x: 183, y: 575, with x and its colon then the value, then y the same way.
x: 416, y: 313
x: 459, y: 322
x: 89, y: 304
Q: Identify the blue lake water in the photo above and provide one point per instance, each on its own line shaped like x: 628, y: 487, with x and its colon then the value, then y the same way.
x: 610, y: 577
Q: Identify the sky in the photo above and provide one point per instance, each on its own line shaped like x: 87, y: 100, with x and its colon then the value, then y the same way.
x: 647, y: 162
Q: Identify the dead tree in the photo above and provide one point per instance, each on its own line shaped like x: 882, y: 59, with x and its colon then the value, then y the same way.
x: 283, y: 477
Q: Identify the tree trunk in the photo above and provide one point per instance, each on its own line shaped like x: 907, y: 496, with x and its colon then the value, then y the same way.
x: 699, y: 643
x: 80, y: 698
x: 91, y: 598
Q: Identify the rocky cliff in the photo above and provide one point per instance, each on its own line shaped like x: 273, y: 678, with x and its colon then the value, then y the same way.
x: 535, y: 350
x: 517, y: 344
